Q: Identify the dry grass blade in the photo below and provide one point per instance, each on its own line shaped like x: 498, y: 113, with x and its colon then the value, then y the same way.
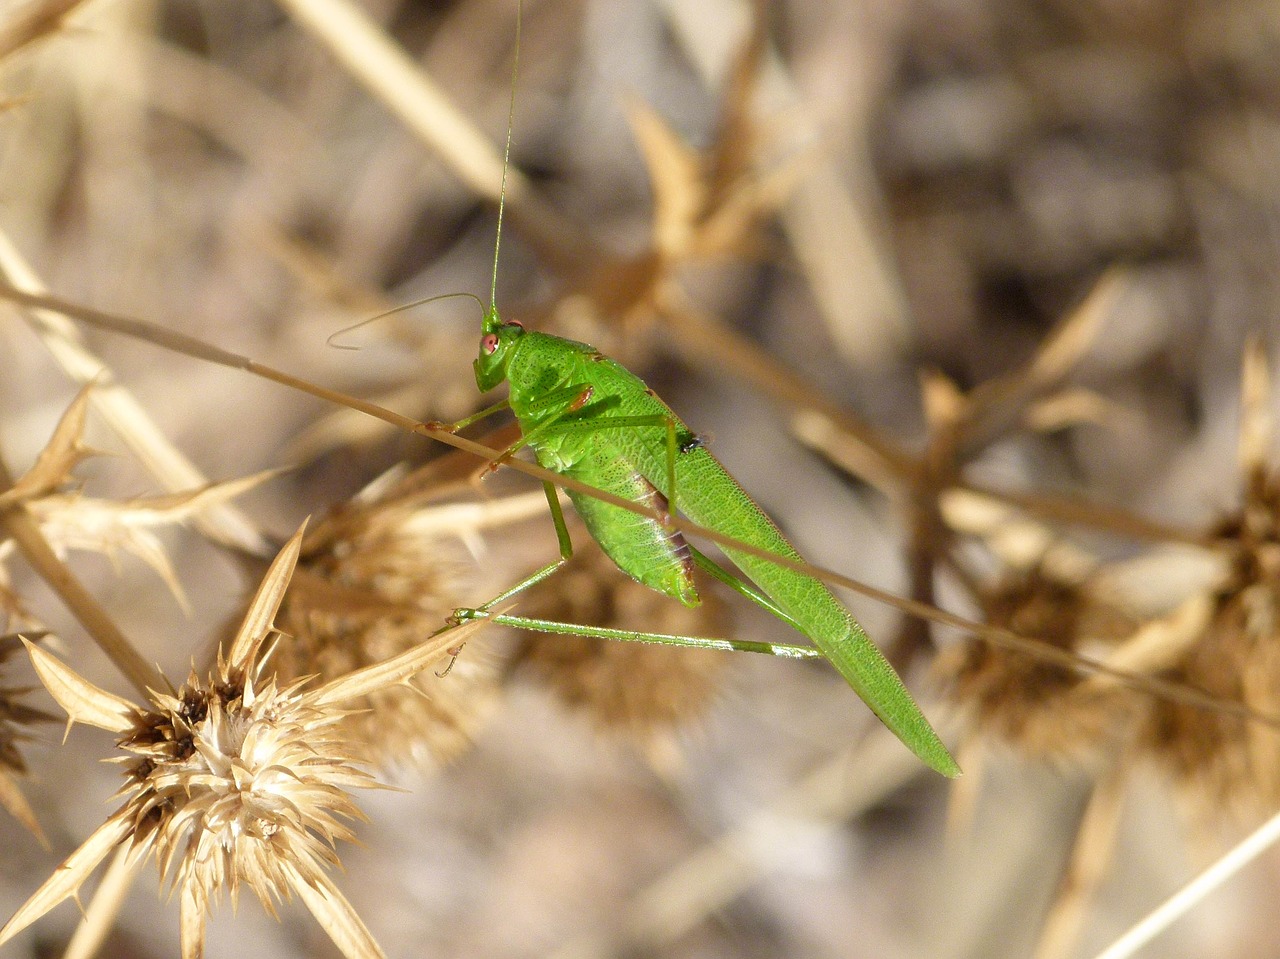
x: 386, y: 70
x: 1177, y: 905
x: 377, y: 61
x: 1086, y: 868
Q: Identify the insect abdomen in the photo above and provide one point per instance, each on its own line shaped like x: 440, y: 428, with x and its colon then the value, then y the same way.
x: 709, y: 496
x: 641, y: 547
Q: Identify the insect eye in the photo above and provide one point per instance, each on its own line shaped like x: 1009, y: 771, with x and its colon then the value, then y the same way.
x: 489, y: 342
x: 516, y: 323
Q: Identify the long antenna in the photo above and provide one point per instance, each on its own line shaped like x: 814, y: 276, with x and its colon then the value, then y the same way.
x: 506, y: 158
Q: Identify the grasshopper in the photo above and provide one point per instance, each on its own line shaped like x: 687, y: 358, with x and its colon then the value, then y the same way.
x: 587, y: 417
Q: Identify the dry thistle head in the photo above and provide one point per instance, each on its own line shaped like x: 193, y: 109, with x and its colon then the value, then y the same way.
x: 641, y: 691
x: 374, y: 580
x: 70, y: 520
x: 234, y: 779
x: 1222, y: 761
x: 238, y: 779
x: 1225, y: 762
x: 1040, y: 707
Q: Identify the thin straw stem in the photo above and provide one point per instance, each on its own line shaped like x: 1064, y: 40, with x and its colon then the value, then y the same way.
x: 1193, y: 892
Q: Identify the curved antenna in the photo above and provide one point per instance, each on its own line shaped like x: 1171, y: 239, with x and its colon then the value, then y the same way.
x: 506, y: 158
x: 332, y: 340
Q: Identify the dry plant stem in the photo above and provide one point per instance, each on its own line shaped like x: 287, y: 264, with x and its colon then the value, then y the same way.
x: 711, y: 877
x: 171, y: 469
x: 930, y: 536
x: 998, y: 636
x: 961, y: 427
x: 850, y: 454
x: 25, y: 532
x: 1090, y: 857
x: 710, y: 345
x: 103, y: 908
x: 387, y: 72
x: 1177, y: 905
x: 32, y: 22
x: 995, y: 406
x: 1073, y: 511
x: 962, y: 797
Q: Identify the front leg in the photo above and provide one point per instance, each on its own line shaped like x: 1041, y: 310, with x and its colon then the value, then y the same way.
x: 467, y: 421
x: 560, y: 403
x: 466, y: 615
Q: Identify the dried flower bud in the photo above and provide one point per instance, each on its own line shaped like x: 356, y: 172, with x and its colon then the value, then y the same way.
x: 1223, y: 762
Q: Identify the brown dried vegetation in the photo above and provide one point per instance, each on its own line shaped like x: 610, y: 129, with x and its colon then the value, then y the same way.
x: 1044, y: 228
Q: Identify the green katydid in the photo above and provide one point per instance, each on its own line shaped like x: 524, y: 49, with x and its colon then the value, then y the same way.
x: 587, y: 417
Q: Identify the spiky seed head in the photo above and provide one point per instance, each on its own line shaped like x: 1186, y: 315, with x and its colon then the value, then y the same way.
x: 645, y: 693
x: 232, y: 780
x: 1041, y: 708
x: 1223, y: 762
x: 368, y: 594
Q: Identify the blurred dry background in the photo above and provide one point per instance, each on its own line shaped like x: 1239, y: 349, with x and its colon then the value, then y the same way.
x: 836, y: 237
